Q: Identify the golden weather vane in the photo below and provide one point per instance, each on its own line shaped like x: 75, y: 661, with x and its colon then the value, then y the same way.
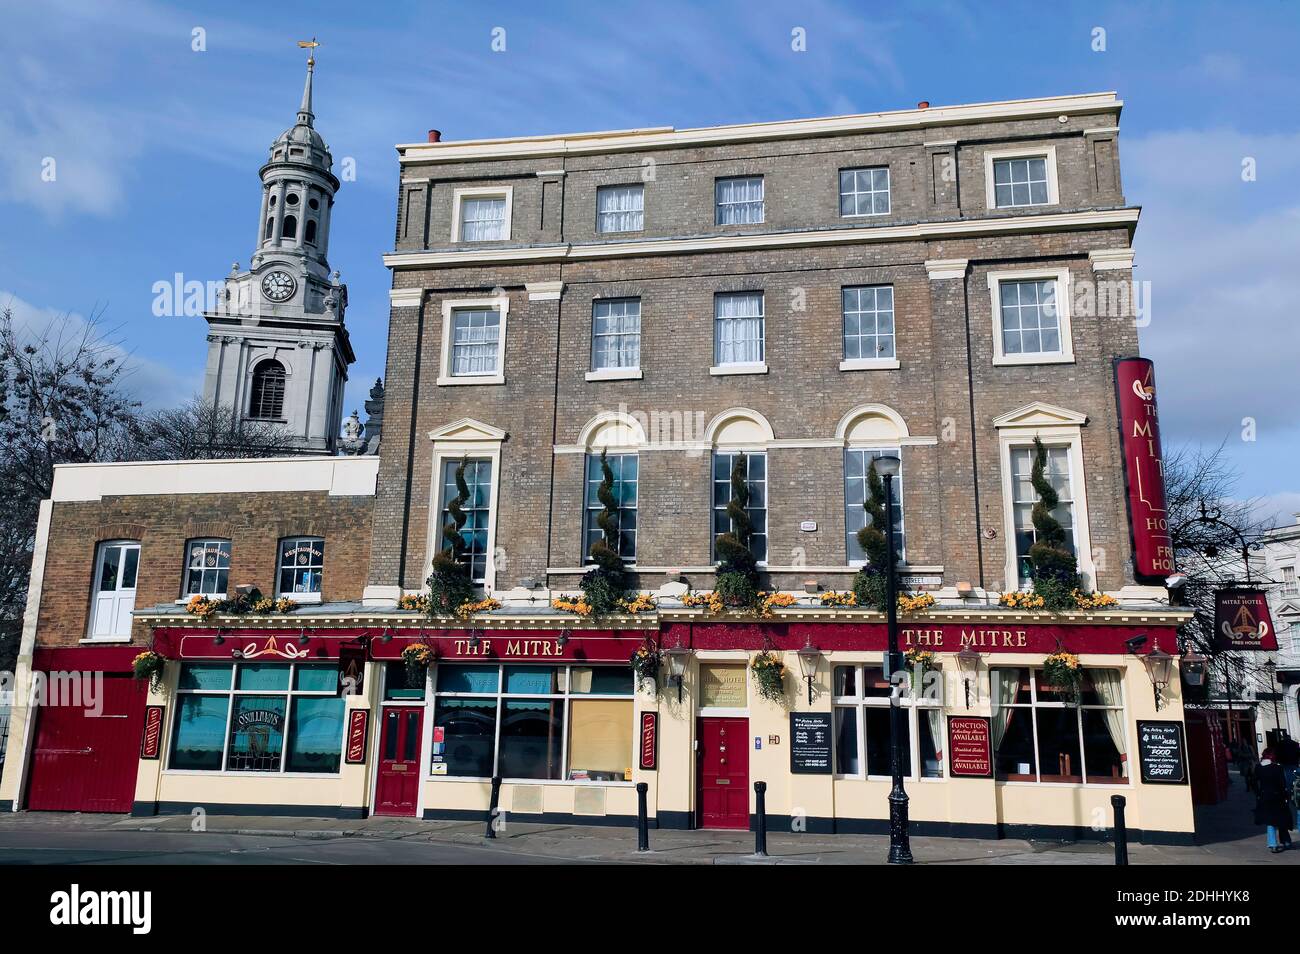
x: 309, y: 45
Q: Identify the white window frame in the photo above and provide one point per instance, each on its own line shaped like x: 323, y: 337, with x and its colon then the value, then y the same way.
x: 1035, y: 673
x: 458, y: 198
x: 910, y: 704
x: 1064, y: 290
x: 1069, y: 436
x: 473, y: 439
x: 622, y: 373
x: 316, y: 597
x: 740, y: 367
x: 871, y: 364
x: 1290, y: 586
x: 762, y: 201
x: 205, y: 542
x: 641, y: 211
x: 445, y: 376
x: 1047, y: 153
x: 889, y: 192
x: 501, y: 697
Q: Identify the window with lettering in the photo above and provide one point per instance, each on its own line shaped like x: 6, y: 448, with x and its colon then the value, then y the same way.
x: 1039, y: 733
x: 258, y: 717
x: 554, y: 723
x: 861, y: 726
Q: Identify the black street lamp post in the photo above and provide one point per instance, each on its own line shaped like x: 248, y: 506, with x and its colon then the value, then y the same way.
x: 900, y: 850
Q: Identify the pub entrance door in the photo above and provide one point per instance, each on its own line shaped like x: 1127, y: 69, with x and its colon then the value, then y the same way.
x: 397, y: 785
x: 723, y: 772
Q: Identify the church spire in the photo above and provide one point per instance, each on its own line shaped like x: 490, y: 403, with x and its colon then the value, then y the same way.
x: 305, y: 115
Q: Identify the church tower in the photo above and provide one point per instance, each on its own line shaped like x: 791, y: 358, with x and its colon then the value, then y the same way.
x: 278, y: 349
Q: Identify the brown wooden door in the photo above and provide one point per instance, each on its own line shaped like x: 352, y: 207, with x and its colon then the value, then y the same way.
x: 723, y: 762
x: 397, y: 787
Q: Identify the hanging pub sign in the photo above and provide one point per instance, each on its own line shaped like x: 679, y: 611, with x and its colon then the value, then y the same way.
x: 358, y: 726
x: 151, y: 738
x: 970, y: 749
x: 1135, y: 393
x: 1242, y: 621
x: 352, y: 670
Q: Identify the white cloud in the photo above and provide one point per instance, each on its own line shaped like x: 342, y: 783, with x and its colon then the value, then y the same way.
x: 150, y: 382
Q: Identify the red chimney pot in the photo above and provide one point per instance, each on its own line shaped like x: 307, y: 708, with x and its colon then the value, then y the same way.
x: 923, y: 104
x: 435, y: 135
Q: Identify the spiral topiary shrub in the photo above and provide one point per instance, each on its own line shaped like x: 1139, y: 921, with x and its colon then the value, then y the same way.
x: 870, y: 585
x: 606, y: 585
x: 737, y: 581
x: 1055, y: 571
x: 450, y: 583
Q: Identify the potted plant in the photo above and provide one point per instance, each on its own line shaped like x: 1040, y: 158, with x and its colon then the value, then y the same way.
x: 450, y: 583
x: 769, y: 675
x: 1054, y: 570
x: 645, y: 663
x: 603, y: 586
x: 737, y: 583
x: 870, y: 586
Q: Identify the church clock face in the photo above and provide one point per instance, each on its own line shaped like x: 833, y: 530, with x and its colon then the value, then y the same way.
x: 278, y: 286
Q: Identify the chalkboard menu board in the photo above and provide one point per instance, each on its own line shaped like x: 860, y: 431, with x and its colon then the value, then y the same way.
x: 1160, y: 753
x: 810, y: 743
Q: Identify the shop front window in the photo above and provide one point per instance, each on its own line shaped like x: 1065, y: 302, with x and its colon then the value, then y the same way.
x: 258, y: 717
x: 535, y: 722
x: 1040, y: 735
x: 861, y: 726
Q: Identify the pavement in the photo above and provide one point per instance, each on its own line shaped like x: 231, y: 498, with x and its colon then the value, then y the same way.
x: 1226, y: 836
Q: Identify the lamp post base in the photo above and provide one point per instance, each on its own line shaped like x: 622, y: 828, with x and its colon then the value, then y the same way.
x: 900, y: 848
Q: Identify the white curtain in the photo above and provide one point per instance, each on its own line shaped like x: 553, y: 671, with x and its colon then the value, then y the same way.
x: 483, y: 220
x: 1108, y: 683
x: 740, y: 201
x: 739, y: 328
x: 1004, y: 685
x: 474, y: 341
x: 936, y: 733
x: 620, y: 208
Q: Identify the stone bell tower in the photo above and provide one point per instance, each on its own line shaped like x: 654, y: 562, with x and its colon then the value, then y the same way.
x: 278, y: 349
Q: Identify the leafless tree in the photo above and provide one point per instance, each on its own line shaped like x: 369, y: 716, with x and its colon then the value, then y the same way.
x: 62, y: 400
x: 198, y: 430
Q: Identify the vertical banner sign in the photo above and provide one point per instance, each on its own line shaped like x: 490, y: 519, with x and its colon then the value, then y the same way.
x: 1135, y: 392
x: 151, y: 738
x: 1242, y: 620
x: 649, y: 741
x: 970, y: 749
x: 358, y: 726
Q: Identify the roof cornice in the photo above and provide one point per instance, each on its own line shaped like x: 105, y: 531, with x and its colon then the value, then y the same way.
x: 920, y: 231
x: 666, y: 137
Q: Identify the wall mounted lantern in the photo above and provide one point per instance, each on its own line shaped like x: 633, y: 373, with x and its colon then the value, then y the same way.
x: 809, y: 659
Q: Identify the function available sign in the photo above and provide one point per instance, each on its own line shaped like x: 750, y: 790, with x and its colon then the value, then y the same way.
x: 1160, y: 753
x: 970, y: 749
x: 810, y: 743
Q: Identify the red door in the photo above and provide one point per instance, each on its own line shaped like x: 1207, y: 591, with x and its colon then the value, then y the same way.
x: 723, y: 773
x: 86, y: 761
x: 398, y: 784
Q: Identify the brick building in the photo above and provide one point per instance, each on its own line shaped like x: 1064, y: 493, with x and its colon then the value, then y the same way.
x: 940, y: 285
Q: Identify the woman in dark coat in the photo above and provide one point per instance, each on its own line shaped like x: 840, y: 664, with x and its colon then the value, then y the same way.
x: 1272, y: 802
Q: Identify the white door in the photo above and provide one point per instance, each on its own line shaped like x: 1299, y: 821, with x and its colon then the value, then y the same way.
x: 115, y: 574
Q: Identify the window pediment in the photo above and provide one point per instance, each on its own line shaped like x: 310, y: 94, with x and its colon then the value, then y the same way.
x: 467, y: 429
x: 1040, y: 414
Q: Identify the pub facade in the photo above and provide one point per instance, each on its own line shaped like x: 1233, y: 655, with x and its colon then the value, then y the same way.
x: 936, y: 285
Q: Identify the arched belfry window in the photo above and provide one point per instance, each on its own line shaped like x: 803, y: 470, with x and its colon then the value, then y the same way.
x: 290, y: 229
x: 270, y: 224
x: 267, y: 399
x: 309, y: 231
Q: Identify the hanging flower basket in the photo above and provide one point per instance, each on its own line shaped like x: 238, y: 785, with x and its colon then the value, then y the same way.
x: 645, y: 663
x: 1061, y: 671
x: 769, y: 676
x: 148, y: 665
x: 919, y: 662
x: 416, y: 657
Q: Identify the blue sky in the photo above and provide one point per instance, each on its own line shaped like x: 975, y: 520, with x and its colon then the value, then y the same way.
x: 157, y: 147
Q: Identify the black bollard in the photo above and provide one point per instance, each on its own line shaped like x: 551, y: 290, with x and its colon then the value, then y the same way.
x: 492, y: 808
x: 642, y: 823
x: 1121, y: 833
x: 760, y: 820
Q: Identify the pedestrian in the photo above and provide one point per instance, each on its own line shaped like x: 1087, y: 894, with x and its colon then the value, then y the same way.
x: 1273, y: 803
x: 1288, y: 756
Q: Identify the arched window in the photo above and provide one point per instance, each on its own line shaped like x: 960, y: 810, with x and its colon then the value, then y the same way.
x: 270, y: 224
x: 267, y: 400
x: 309, y: 231
x: 290, y: 226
